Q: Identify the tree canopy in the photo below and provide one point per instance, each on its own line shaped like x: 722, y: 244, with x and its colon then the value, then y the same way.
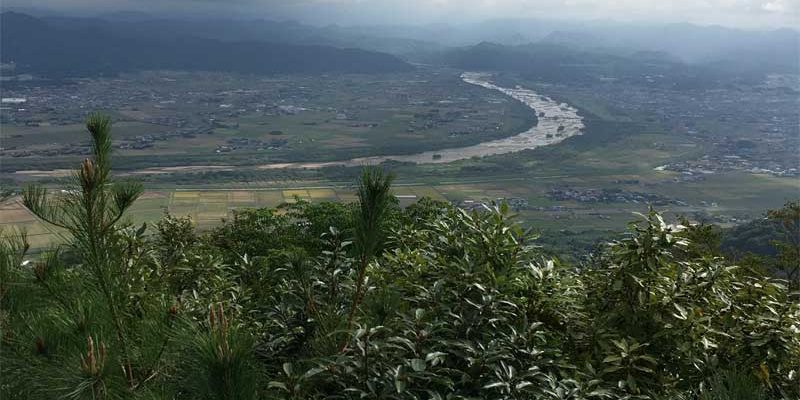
x: 369, y: 300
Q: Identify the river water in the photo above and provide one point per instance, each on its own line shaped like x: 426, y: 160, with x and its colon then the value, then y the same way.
x: 556, y: 123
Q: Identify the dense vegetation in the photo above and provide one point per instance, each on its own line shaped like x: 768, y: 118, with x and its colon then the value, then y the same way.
x: 56, y: 51
x: 368, y: 300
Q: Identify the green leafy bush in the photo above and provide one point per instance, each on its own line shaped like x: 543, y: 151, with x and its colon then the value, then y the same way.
x: 373, y: 301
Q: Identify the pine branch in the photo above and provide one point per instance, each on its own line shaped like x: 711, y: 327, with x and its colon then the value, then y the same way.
x: 37, y: 201
x: 374, y: 195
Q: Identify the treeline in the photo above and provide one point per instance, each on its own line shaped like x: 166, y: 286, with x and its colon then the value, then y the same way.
x: 368, y: 300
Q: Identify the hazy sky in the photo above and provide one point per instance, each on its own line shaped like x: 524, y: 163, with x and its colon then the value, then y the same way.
x: 747, y: 13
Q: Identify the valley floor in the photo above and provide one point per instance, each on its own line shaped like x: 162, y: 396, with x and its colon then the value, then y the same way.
x: 584, y: 188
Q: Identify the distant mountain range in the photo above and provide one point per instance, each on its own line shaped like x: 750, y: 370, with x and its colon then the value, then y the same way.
x: 229, y: 30
x: 85, y: 47
x: 563, y: 64
x: 731, y: 49
x: 726, y: 50
x: 548, y: 50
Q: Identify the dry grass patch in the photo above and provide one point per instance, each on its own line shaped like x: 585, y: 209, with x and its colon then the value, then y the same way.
x: 327, y: 194
x: 214, y: 197
x: 242, y: 197
x: 269, y: 198
x: 427, y: 191
x: 185, y: 195
x: 14, y: 214
x: 347, y: 197
x: 208, y: 216
x: 289, y: 195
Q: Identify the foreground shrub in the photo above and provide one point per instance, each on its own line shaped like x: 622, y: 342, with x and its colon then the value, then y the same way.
x: 371, y: 301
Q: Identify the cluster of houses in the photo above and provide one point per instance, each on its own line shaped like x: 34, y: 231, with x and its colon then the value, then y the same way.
x: 585, y: 195
x: 514, y: 203
x: 717, y: 119
x: 239, y: 143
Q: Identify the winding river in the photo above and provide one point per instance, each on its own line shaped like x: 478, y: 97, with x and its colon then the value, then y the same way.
x: 556, y: 122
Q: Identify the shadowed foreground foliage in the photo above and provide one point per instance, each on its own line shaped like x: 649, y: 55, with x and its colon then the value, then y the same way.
x: 373, y: 301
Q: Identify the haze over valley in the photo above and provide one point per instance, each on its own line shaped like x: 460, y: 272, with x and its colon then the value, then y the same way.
x: 400, y: 199
x: 202, y: 102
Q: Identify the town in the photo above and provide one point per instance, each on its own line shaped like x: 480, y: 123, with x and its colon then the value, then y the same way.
x: 743, y: 126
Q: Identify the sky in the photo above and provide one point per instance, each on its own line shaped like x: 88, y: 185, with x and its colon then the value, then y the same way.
x: 736, y: 13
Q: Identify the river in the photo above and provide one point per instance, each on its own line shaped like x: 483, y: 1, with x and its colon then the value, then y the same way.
x: 556, y: 123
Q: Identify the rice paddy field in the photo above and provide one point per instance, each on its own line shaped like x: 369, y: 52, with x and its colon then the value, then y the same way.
x: 185, y: 119
x: 207, y: 208
x: 724, y: 199
x: 339, y: 119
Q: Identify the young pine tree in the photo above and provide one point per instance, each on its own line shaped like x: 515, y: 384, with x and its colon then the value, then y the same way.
x: 89, y: 214
x: 374, y: 204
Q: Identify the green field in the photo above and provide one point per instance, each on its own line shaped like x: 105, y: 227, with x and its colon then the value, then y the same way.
x: 202, y: 119
x: 723, y: 198
x: 356, y: 116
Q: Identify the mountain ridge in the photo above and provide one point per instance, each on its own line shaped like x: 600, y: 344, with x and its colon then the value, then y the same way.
x: 37, y: 46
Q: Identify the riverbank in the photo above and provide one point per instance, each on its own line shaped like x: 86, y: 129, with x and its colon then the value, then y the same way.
x: 556, y: 122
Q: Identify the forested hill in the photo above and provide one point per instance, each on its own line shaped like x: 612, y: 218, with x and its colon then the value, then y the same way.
x: 547, y: 62
x: 770, y: 51
x: 39, y: 47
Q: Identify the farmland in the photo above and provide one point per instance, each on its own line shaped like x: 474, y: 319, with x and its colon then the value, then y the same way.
x: 171, y: 118
x: 197, y: 141
x: 725, y: 199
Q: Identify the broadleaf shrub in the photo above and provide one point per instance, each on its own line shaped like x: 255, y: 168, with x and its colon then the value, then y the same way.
x: 306, y: 302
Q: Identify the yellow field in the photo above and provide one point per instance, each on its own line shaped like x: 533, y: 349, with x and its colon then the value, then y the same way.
x: 290, y: 196
x: 269, y: 197
x: 427, y: 191
x: 242, y: 197
x: 322, y: 194
x: 737, y: 194
x: 206, y: 207
x: 186, y: 195
x: 15, y: 213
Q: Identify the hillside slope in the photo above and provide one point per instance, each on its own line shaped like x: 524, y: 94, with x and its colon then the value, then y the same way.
x: 40, y: 47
